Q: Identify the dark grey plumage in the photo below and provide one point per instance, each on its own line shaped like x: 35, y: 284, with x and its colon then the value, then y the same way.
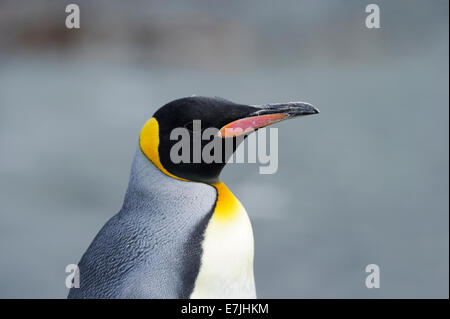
x: 152, y: 247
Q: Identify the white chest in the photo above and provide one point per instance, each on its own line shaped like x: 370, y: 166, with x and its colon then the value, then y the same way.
x: 226, y: 269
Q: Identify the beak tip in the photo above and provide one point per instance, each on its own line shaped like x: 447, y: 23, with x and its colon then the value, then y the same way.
x: 291, y: 109
x: 307, y: 109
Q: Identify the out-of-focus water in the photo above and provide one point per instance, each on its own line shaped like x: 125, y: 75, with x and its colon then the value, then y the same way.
x: 366, y: 181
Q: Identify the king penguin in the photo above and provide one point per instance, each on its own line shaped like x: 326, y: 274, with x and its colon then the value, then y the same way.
x: 181, y: 233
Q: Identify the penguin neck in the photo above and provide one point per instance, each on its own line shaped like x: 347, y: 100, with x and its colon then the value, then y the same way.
x: 146, y: 176
x: 227, y: 205
x: 147, y: 181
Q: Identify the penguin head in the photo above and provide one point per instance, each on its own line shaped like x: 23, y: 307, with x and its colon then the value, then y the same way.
x: 206, y: 125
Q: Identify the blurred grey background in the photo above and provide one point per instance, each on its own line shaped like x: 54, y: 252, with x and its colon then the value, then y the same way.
x: 364, y: 182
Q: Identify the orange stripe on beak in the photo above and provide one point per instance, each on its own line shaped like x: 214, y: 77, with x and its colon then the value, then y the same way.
x: 249, y: 124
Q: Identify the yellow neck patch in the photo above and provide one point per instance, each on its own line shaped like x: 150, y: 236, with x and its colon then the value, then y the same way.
x: 227, y: 205
x: 149, y: 142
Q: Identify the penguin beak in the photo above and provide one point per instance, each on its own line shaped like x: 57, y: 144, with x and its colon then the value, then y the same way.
x: 265, y: 115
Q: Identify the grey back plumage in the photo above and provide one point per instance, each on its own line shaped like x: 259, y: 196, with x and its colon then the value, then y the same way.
x: 152, y: 247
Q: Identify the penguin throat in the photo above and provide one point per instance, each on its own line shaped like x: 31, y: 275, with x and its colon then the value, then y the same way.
x: 227, y: 205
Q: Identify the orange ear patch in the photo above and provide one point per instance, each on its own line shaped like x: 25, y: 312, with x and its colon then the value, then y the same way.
x: 249, y: 124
